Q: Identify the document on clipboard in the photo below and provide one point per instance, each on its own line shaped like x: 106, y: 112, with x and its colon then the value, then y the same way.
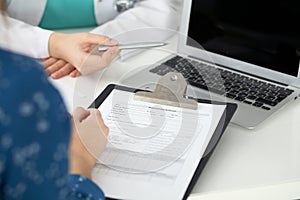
x: 156, y: 149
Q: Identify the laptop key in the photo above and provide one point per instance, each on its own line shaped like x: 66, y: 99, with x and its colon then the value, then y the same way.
x: 234, y: 92
x: 235, y: 87
x: 240, y: 98
x: 270, y: 98
x: 265, y: 101
x: 172, y: 62
x: 281, y: 96
x: 264, y: 86
x: 272, y: 93
x: 244, y: 89
x: 274, y: 88
x: 215, y: 90
x: 229, y: 95
x: 252, y: 97
x: 261, y: 95
x: 266, y: 108
x: 257, y: 104
x: 247, y: 102
x: 278, y: 100
x: 242, y: 94
x: 199, y: 85
x: 155, y: 70
x: 254, y: 88
x: 252, y: 93
x: 262, y: 90
x: 285, y: 91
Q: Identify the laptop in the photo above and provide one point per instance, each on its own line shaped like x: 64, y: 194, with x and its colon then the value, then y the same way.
x: 246, y: 52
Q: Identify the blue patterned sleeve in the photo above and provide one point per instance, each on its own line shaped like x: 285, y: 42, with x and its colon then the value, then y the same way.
x: 34, y: 136
x: 83, y: 188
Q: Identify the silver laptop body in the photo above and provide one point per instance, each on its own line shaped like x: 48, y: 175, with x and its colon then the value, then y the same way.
x: 247, y: 115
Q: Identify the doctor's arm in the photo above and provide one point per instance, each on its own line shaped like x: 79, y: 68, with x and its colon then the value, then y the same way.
x: 163, y: 14
x: 157, y: 14
x: 40, y: 43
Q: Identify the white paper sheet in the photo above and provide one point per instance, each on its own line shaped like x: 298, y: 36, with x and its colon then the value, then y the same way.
x: 153, y: 150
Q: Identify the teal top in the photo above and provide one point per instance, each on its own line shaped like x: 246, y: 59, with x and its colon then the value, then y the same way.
x: 61, y: 14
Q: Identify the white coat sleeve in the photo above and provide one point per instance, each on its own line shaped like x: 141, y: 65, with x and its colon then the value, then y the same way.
x: 147, y: 13
x: 29, y: 11
x: 149, y: 20
x: 24, y: 38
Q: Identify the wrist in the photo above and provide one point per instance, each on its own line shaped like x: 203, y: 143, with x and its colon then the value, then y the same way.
x: 80, y: 165
x: 54, y: 44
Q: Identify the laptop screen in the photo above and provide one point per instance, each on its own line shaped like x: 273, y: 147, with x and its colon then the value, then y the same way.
x: 264, y: 33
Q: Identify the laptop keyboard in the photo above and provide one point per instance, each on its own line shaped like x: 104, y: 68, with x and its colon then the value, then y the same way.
x: 224, y: 82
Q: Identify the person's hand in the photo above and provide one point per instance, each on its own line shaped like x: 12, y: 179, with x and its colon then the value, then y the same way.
x: 58, y: 68
x: 80, y: 50
x: 89, y: 138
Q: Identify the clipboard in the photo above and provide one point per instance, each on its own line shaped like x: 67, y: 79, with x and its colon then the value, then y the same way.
x: 171, y: 91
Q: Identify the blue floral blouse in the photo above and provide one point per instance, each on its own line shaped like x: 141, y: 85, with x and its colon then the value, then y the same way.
x: 34, y: 136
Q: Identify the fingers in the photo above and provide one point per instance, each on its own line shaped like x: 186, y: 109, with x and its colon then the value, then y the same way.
x: 58, y: 68
x: 108, y: 56
x: 75, y: 73
x: 96, y: 62
x: 50, y: 61
x: 95, y: 39
x: 110, y: 42
x: 55, y: 66
x: 90, y: 131
x: 79, y: 114
x: 63, y: 71
x: 99, y: 119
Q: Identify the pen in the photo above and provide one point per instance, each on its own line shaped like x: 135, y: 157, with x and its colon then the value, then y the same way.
x: 135, y: 45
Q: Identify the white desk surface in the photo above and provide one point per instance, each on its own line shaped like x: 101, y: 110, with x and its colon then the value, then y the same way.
x: 263, y: 163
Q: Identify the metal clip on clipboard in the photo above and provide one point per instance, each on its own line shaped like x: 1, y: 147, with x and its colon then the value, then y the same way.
x: 170, y: 90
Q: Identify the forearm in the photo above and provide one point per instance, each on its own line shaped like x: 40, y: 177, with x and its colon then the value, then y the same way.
x: 149, y: 20
x: 163, y: 14
x: 82, y: 169
x: 29, y: 11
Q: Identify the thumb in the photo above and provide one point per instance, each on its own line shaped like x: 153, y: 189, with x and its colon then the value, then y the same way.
x: 80, y: 114
x: 99, y: 39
